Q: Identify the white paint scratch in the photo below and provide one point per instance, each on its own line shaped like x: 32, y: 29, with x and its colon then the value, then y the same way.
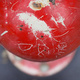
x: 4, y: 33
x: 61, y: 47
x: 6, y: 14
x: 41, y: 52
x: 52, y: 18
x: 62, y: 34
x: 6, y: 8
x: 41, y: 16
x: 24, y: 46
x: 14, y: 5
x: 55, y: 40
x: 6, y: 22
x: 60, y: 19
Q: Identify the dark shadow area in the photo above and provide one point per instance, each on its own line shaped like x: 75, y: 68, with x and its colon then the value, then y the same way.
x: 9, y: 72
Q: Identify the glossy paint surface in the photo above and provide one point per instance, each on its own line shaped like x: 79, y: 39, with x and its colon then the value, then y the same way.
x: 39, y: 30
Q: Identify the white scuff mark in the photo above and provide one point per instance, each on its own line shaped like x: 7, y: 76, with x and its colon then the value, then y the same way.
x: 6, y: 22
x: 60, y: 19
x: 13, y: 5
x: 34, y: 23
x: 6, y: 14
x: 10, y: 2
x: 43, y: 3
x: 62, y: 34
x: 5, y: 8
x: 4, y: 33
x: 25, y: 44
x: 41, y: 16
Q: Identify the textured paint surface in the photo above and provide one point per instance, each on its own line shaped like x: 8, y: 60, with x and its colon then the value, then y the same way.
x: 38, y: 30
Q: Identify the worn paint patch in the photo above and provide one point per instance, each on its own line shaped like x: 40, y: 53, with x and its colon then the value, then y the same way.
x: 33, y: 22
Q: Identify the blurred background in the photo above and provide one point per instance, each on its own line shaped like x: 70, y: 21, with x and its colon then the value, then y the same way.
x: 9, y: 72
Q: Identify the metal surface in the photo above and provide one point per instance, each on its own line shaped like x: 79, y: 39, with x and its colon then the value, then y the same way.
x: 9, y: 72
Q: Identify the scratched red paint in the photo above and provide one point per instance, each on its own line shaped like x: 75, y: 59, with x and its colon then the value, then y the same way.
x: 38, y: 30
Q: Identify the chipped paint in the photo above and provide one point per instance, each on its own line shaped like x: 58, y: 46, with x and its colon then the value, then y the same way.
x: 43, y: 3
